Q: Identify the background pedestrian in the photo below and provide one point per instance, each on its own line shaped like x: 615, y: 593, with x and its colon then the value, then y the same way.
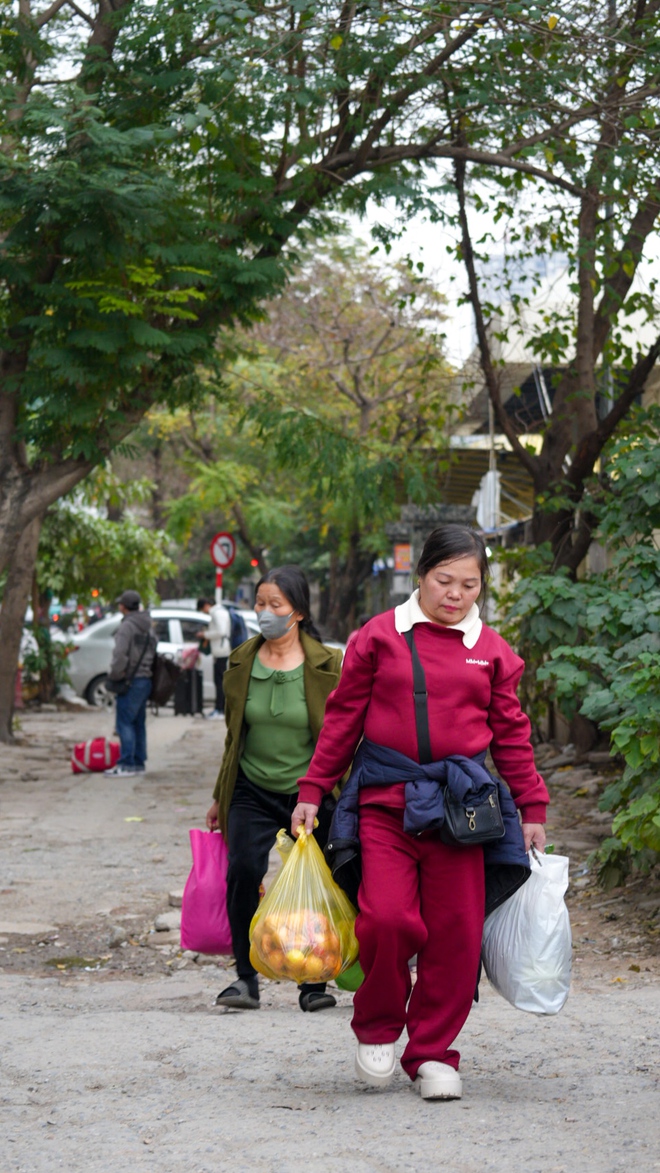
x: 276, y: 687
x: 130, y: 671
x: 218, y: 634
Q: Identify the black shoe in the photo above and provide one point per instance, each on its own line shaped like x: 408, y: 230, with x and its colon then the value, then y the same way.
x: 316, y: 1000
x: 238, y: 997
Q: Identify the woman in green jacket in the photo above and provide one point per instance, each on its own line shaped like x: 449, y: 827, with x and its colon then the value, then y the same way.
x: 276, y: 686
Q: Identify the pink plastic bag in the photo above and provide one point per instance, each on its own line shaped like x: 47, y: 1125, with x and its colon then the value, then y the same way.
x: 204, y: 920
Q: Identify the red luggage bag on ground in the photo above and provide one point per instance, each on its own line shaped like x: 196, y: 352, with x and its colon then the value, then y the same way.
x: 92, y: 757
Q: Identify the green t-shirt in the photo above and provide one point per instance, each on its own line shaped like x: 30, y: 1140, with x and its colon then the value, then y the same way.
x: 278, y: 743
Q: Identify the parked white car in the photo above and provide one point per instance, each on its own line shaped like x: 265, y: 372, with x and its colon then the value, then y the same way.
x: 176, y: 627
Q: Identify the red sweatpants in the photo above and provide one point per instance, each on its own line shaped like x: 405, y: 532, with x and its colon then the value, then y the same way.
x: 418, y: 895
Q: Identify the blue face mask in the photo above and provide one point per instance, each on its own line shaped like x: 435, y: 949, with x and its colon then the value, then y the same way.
x: 273, y: 626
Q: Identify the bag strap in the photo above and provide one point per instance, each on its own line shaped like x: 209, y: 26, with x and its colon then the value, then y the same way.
x: 420, y: 696
x: 142, y: 654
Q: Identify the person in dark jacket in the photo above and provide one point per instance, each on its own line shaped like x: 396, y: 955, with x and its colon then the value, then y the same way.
x: 418, y: 894
x: 276, y: 687
x: 132, y: 665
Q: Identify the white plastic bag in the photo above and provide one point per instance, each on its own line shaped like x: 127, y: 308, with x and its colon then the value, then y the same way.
x: 527, y: 947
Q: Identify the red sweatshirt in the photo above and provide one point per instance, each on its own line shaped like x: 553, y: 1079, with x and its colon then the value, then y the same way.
x: 472, y: 700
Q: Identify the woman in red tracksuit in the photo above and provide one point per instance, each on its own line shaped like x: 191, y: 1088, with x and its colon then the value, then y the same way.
x: 419, y: 895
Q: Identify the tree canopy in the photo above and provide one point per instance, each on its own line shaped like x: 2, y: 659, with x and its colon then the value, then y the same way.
x: 332, y: 416
x: 83, y: 549
x: 160, y: 164
x: 596, y: 224
x: 157, y: 161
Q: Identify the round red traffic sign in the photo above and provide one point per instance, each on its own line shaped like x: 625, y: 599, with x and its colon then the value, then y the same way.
x: 223, y: 550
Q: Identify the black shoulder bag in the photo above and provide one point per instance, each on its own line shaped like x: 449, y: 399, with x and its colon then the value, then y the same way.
x: 165, y: 676
x: 465, y: 824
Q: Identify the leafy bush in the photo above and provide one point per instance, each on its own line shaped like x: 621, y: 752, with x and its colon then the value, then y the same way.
x: 80, y: 548
x: 630, y: 707
x: 594, y: 645
x: 45, y: 661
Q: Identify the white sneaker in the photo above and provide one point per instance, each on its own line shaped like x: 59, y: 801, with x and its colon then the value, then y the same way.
x: 121, y: 772
x: 215, y: 715
x: 438, y: 1081
x: 374, y: 1063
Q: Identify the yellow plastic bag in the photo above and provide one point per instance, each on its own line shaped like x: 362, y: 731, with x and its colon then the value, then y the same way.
x: 304, y: 928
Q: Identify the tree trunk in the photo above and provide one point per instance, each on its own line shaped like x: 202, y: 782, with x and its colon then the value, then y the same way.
x: 256, y: 551
x: 574, y: 437
x: 345, y: 589
x: 14, y: 603
x: 40, y: 622
x: 157, y: 512
x: 25, y: 495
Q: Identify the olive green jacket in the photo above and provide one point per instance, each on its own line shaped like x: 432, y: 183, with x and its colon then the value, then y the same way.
x: 321, y: 674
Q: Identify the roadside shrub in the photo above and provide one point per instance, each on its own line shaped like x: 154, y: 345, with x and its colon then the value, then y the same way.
x: 45, y: 661
x: 593, y: 645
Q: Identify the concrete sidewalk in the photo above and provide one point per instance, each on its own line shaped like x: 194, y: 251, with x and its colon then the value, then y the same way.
x: 113, y: 1057
x: 114, y: 1076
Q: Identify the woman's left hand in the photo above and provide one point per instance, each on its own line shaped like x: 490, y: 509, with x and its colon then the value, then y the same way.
x: 534, y: 834
x: 212, y: 815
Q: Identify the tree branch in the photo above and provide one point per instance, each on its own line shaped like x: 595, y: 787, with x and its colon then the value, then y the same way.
x: 353, y: 164
x: 346, y: 134
x: 592, y: 444
x: 80, y: 13
x: 48, y: 13
x: 247, y: 540
x: 339, y: 383
x: 618, y: 286
x: 431, y: 70
x: 486, y: 361
x: 101, y: 43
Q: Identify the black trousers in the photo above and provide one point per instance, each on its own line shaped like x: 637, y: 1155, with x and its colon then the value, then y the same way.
x: 219, y: 669
x: 255, y: 817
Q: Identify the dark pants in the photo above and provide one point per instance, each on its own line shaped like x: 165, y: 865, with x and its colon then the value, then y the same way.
x: 131, y: 722
x: 255, y: 817
x: 219, y: 669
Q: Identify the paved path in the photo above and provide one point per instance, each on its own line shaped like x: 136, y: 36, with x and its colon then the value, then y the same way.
x: 127, y: 1064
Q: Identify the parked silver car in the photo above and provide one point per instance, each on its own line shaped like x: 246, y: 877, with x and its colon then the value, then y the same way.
x: 89, y: 659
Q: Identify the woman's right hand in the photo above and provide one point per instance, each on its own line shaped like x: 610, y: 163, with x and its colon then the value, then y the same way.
x: 212, y: 816
x: 303, y: 816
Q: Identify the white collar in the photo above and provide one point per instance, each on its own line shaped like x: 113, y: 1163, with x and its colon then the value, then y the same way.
x: 407, y: 614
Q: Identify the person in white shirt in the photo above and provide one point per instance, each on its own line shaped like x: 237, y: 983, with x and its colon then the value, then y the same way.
x: 218, y: 635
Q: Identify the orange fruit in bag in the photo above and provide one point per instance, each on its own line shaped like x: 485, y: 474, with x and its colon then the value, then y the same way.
x: 300, y: 945
x: 304, y: 929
